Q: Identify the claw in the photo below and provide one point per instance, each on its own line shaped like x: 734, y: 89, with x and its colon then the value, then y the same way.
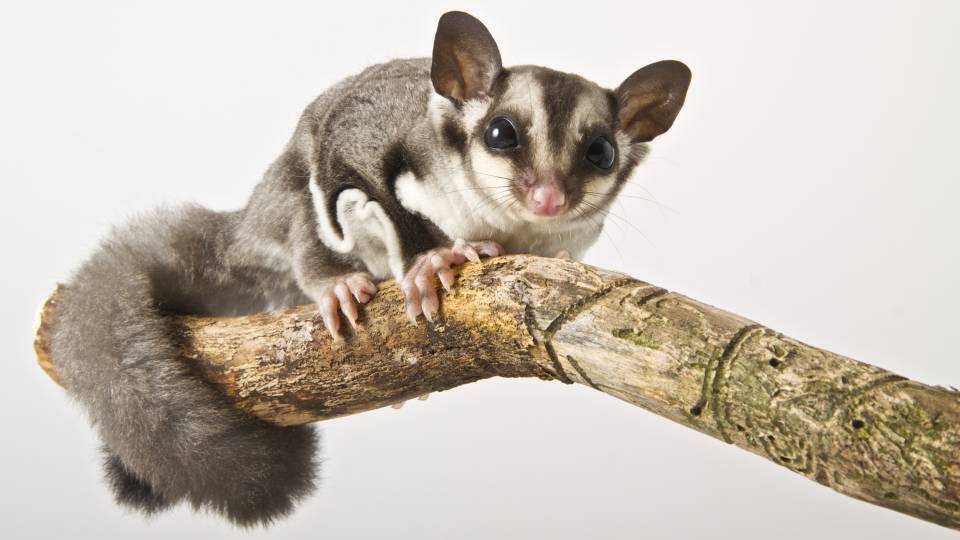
x: 361, y: 287
x: 419, y: 285
x: 412, y: 296
x: 471, y: 254
x: 430, y: 308
x: 347, y: 303
x: 466, y: 250
x: 488, y: 248
x: 446, y: 278
x: 429, y: 303
x: 344, y: 295
x: 442, y: 269
x: 328, y: 312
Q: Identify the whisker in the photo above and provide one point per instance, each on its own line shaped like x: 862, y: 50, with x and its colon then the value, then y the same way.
x: 607, y: 212
x: 491, y: 203
x: 462, y: 169
x: 480, y: 188
x: 637, y: 197
x: 583, y: 215
x: 652, y: 196
x: 496, y: 176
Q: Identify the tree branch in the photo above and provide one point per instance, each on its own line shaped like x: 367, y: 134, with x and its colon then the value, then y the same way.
x: 853, y: 427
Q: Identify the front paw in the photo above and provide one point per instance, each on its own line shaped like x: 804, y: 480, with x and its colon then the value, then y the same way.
x: 342, y: 294
x: 419, y: 285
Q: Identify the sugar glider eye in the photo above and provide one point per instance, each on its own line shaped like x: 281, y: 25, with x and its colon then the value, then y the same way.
x: 600, y: 153
x: 501, y: 134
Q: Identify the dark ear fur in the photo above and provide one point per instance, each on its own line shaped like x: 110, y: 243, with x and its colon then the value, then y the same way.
x: 650, y: 99
x: 466, y: 59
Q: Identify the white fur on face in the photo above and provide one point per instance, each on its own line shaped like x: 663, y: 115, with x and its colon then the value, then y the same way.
x: 473, y: 112
x: 494, y: 174
x: 524, y: 94
x: 471, y: 196
x: 475, y: 193
x: 458, y: 201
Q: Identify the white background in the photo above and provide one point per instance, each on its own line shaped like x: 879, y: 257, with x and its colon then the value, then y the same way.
x: 810, y: 183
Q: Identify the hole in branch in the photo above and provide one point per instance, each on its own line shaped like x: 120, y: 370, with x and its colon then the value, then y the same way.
x: 857, y: 424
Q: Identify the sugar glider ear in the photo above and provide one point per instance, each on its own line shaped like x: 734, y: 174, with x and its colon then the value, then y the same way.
x: 466, y: 60
x: 650, y: 99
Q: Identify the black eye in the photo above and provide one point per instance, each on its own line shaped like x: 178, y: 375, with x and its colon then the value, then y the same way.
x: 501, y: 134
x: 600, y: 153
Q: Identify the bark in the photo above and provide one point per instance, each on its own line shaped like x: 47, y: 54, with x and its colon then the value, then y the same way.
x: 853, y: 427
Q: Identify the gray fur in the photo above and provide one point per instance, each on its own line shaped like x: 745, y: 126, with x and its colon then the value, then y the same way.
x: 168, y: 436
x: 379, y: 169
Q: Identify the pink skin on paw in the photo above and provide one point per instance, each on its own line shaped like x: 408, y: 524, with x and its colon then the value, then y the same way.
x: 344, y: 294
x: 419, y: 285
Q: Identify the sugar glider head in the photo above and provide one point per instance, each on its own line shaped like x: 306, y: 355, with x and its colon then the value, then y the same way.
x: 542, y: 145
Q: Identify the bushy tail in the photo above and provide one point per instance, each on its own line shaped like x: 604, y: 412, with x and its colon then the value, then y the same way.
x: 168, y: 436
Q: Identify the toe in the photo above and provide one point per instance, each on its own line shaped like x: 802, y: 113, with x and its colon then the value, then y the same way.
x: 488, y: 248
x: 563, y: 254
x: 411, y: 297
x: 327, y: 305
x: 446, y: 277
x: 362, y: 288
x: 467, y: 250
x: 429, y: 303
x: 348, y: 304
x: 410, y: 290
x: 442, y: 269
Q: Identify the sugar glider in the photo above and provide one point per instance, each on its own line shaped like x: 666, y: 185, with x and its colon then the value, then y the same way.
x: 403, y: 170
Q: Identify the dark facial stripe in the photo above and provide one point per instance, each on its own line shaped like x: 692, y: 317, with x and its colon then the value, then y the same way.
x: 560, y: 95
x: 454, y: 136
x: 629, y: 158
x: 612, y: 104
x: 520, y: 157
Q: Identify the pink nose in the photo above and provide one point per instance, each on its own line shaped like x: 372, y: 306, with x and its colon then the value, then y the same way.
x: 547, y: 200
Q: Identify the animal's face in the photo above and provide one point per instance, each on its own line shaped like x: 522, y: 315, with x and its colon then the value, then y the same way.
x: 550, y: 139
x: 545, y: 146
